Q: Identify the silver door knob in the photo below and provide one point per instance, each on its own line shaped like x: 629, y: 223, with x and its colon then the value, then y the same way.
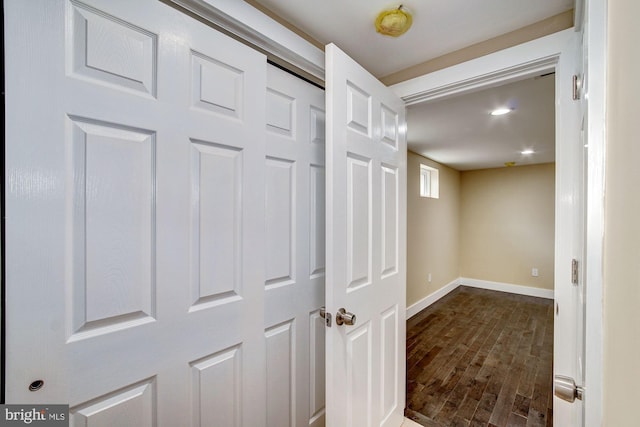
x: 344, y: 317
x: 566, y: 389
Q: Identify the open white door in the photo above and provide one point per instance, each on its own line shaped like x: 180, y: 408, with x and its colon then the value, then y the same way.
x: 366, y: 247
x: 568, y: 361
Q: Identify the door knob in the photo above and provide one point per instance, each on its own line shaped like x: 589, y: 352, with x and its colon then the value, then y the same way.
x: 566, y: 389
x: 344, y: 317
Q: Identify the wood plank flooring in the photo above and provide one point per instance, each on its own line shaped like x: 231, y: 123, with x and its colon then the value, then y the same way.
x: 481, y: 358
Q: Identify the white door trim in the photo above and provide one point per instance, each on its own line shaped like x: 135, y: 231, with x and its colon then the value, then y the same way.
x: 516, y: 63
x: 596, y: 84
x: 523, y: 61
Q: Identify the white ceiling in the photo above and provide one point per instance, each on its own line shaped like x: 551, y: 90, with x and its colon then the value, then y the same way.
x: 460, y: 132
x: 457, y: 132
x: 439, y: 26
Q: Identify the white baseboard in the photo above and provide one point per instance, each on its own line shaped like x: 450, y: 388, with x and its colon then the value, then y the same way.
x: 507, y: 287
x: 430, y: 299
x: 476, y: 283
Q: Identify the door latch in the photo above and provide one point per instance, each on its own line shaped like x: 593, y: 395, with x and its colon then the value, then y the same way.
x: 326, y: 316
x: 574, y: 271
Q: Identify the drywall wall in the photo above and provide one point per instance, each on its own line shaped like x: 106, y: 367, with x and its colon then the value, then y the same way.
x: 622, y: 219
x: 433, y: 232
x: 534, y: 31
x: 507, y: 224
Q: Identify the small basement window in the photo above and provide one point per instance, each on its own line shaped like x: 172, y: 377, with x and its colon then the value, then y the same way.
x: 429, y: 186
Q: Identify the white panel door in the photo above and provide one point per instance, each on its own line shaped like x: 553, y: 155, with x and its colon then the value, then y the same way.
x: 568, y: 331
x: 295, y: 254
x: 366, y: 246
x: 134, y: 215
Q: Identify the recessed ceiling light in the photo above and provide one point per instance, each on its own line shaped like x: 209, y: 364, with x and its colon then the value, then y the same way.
x: 501, y: 111
x: 527, y: 152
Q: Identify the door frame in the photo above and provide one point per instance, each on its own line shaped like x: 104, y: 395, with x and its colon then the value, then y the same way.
x: 524, y: 61
x: 246, y: 23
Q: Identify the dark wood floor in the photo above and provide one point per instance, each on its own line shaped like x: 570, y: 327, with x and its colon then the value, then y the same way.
x: 481, y: 358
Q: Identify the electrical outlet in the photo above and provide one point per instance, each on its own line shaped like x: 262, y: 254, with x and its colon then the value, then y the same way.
x: 429, y: 278
x: 534, y: 272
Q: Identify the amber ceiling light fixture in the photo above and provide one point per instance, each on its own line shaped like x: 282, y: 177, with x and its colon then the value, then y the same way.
x: 394, y: 22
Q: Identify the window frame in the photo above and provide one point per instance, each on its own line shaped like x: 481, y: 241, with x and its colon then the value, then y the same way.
x: 429, y: 182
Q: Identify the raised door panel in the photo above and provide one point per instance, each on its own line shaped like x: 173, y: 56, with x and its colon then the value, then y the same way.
x: 281, y: 373
x: 281, y: 113
x: 359, y: 377
x: 316, y: 370
x: 216, y: 387
x: 316, y: 221
x: 217, y: 86
x: 389, y: 215
x: 113, y: 233
x: 359, y: 222
x: 281, y: 203
x: 111, y: 51
x: 358, y: 110
x: 132, y: 405
x: 216, y: 223
x: 389, y: 344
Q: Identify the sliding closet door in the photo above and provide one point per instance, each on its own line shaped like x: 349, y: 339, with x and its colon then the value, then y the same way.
x: 135, y: 219
x: 295, y: 264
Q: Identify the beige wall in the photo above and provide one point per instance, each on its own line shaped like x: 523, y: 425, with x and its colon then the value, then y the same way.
x: 622, y: 219
x: 507, y: 224
x: 433, y: 235
x: 490, y: 224
x: 531, y: 32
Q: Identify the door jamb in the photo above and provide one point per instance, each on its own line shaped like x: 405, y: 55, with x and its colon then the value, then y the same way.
x: 516, y: 63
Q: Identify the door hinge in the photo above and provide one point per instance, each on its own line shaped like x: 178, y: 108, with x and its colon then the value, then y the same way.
x: 577, y: 86
x: 574, y: 271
